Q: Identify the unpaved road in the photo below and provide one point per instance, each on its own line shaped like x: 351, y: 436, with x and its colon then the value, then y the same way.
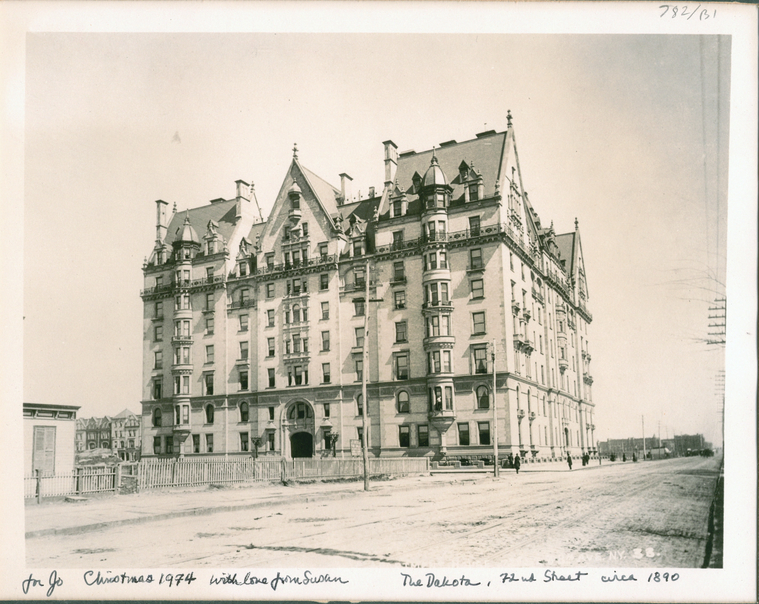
x: 650, y: 514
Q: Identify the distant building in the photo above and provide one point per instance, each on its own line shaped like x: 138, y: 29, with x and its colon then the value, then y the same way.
x: 126, y: 438
x: 49, y: 435
x: 628, y: 446
x: 93, y: 433
x: 254, y: 330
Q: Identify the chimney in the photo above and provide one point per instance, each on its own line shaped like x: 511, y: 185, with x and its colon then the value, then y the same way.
x: 161, y: 225
x: 243, y: 189
x: 345, y: 186
x: 391, y: 161
x: 371, y: 192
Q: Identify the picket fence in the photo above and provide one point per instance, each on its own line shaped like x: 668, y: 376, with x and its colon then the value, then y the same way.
x: 81, y: 481
x: 157, y: 473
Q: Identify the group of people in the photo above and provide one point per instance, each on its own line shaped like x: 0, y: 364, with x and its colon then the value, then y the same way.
x: 516, y: 462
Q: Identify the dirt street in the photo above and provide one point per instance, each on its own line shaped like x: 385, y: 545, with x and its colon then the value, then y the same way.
x: 651, y: 514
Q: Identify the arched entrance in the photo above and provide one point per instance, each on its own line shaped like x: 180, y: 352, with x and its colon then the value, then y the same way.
x: 302, y: 444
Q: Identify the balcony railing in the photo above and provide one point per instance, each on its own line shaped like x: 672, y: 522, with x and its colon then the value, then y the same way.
x: 183, y: 284
x: 307, y: 263
x: 235, y: 304
x: 444, y: 304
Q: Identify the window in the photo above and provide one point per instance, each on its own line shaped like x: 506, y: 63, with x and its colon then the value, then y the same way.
x: 169, y: 444
x: 326, y: 378
x: 157, y: 388
x: 183, y: 302
x: 474, y: 221
x: 358, y: 248
x: 244, y: 351
x: 463, y: 434
x: 209, y: 413
x: 325, y: 311
x: 400, y: 331
x: 397, y: 240
x: 475, y: 259
x: 398, y: 272
x: 269, y: 290
x: 159, y: 310
x: 424, y: 435
x: 403, y: 402
x: 299, y: 411
x: 478, y: 288
x: 270, y: 347
x: 209, y: 384
x: 397, y: 208
x: 359, y: 337
x: 446, y: 361
x: 243, y: 268
x: 326, y: 410
x: 359, y: 276
x: 209, y: 301
x: 209, y: 326
x: 474, y: 195
x: 403, y: 436
x: 324, y: 281
x: 157, y: 417
x: 209, y: 443
x: 270, y: 317
x: 480, y: 359
x: 158, y: 359
x: 209, y: 353
x: 483, y: 397
x: 325, y: 341
x: 478, y: 323
x: 300, y: 373
x: 244, y: 441
x: 156, y: 445
x: 484, y: 430
x: 359, y: 370
x: 243, y: 380
x: 323, y: 250
x: 360, y: 404
x: 182, y: 384
x: 243, y: 322
x: 158, y: 333
x: 400, y: 299
x: 358, y: 308
x: 271, y: 377
x: 401, y: 366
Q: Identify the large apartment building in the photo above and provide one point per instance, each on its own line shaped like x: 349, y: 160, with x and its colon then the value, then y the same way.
x: 255, y: 330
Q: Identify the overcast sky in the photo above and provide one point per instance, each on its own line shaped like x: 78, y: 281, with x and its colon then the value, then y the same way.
x: 628, y: 133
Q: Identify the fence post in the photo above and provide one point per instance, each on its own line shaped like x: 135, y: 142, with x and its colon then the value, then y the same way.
x: 284, y: 470
x: 117, y: 479
x: 39, y: 485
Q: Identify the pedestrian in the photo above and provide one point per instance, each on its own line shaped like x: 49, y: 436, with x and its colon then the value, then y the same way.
x: 569, y: 461
x: 517, y: 463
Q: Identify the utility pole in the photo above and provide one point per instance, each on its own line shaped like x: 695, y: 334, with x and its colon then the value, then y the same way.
x: 496, y: 468
x: 718, y: 324
x: 643, y: 424
x: 364, y: 371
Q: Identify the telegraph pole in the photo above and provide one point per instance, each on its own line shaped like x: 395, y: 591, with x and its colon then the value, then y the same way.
x: 496, y: 469
x: 643, y: 424
x: 364, y: 370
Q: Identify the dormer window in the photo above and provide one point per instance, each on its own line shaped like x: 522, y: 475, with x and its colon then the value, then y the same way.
x: 270, y: 261
x: 286, y: 234
x: 159, y: 257
x: 243, y: 268
x: 210, y: 248
x: 295, y: 203
x: 397, y: 208
x: 473, y: 192
x: 358, y: 248
x: 304, y: 228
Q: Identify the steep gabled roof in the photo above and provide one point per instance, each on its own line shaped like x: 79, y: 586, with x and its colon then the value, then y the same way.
x: 325, y: 192
x: 485, y: 152
x: 566, y: 245
x: 221, y: 212
x: 125, y: 413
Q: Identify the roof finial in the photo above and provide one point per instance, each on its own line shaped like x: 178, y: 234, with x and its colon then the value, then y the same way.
x: 577, y: 224
x: 508, y: 118
x: 295, y: 151
x: 434, y: 157
x: 187, y: 216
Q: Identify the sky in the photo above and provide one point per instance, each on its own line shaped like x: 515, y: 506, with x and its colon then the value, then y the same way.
x: 626, y: 133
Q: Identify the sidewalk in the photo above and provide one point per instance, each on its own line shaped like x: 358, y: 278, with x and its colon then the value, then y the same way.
x: 70, y: 518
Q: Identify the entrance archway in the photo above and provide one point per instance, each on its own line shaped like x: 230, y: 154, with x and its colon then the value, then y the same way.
x: 302, y: 445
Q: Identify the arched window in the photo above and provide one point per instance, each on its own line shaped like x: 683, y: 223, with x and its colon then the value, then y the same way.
x: 157, y: 420
x: 483, y: 397
x: 209, y: 414
x: 299, y: 411
x: 296, y: 313
x: 243, y: 411
x: 360, y: 404
x: 403, y: 402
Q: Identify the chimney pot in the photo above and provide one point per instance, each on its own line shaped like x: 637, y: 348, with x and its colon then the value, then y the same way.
x: 345, y: 186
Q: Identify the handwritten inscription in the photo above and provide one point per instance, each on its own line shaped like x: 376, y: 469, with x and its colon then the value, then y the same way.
x: 433, y: 581
x: 551, y: 575
x: 53, y: 581
x: 170, y: 579
x: 511, y: 578
x: 616, y: 577
x: 685, y: 12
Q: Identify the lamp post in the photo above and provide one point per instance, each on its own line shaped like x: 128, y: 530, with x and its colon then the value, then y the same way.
x: 495, y: 421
